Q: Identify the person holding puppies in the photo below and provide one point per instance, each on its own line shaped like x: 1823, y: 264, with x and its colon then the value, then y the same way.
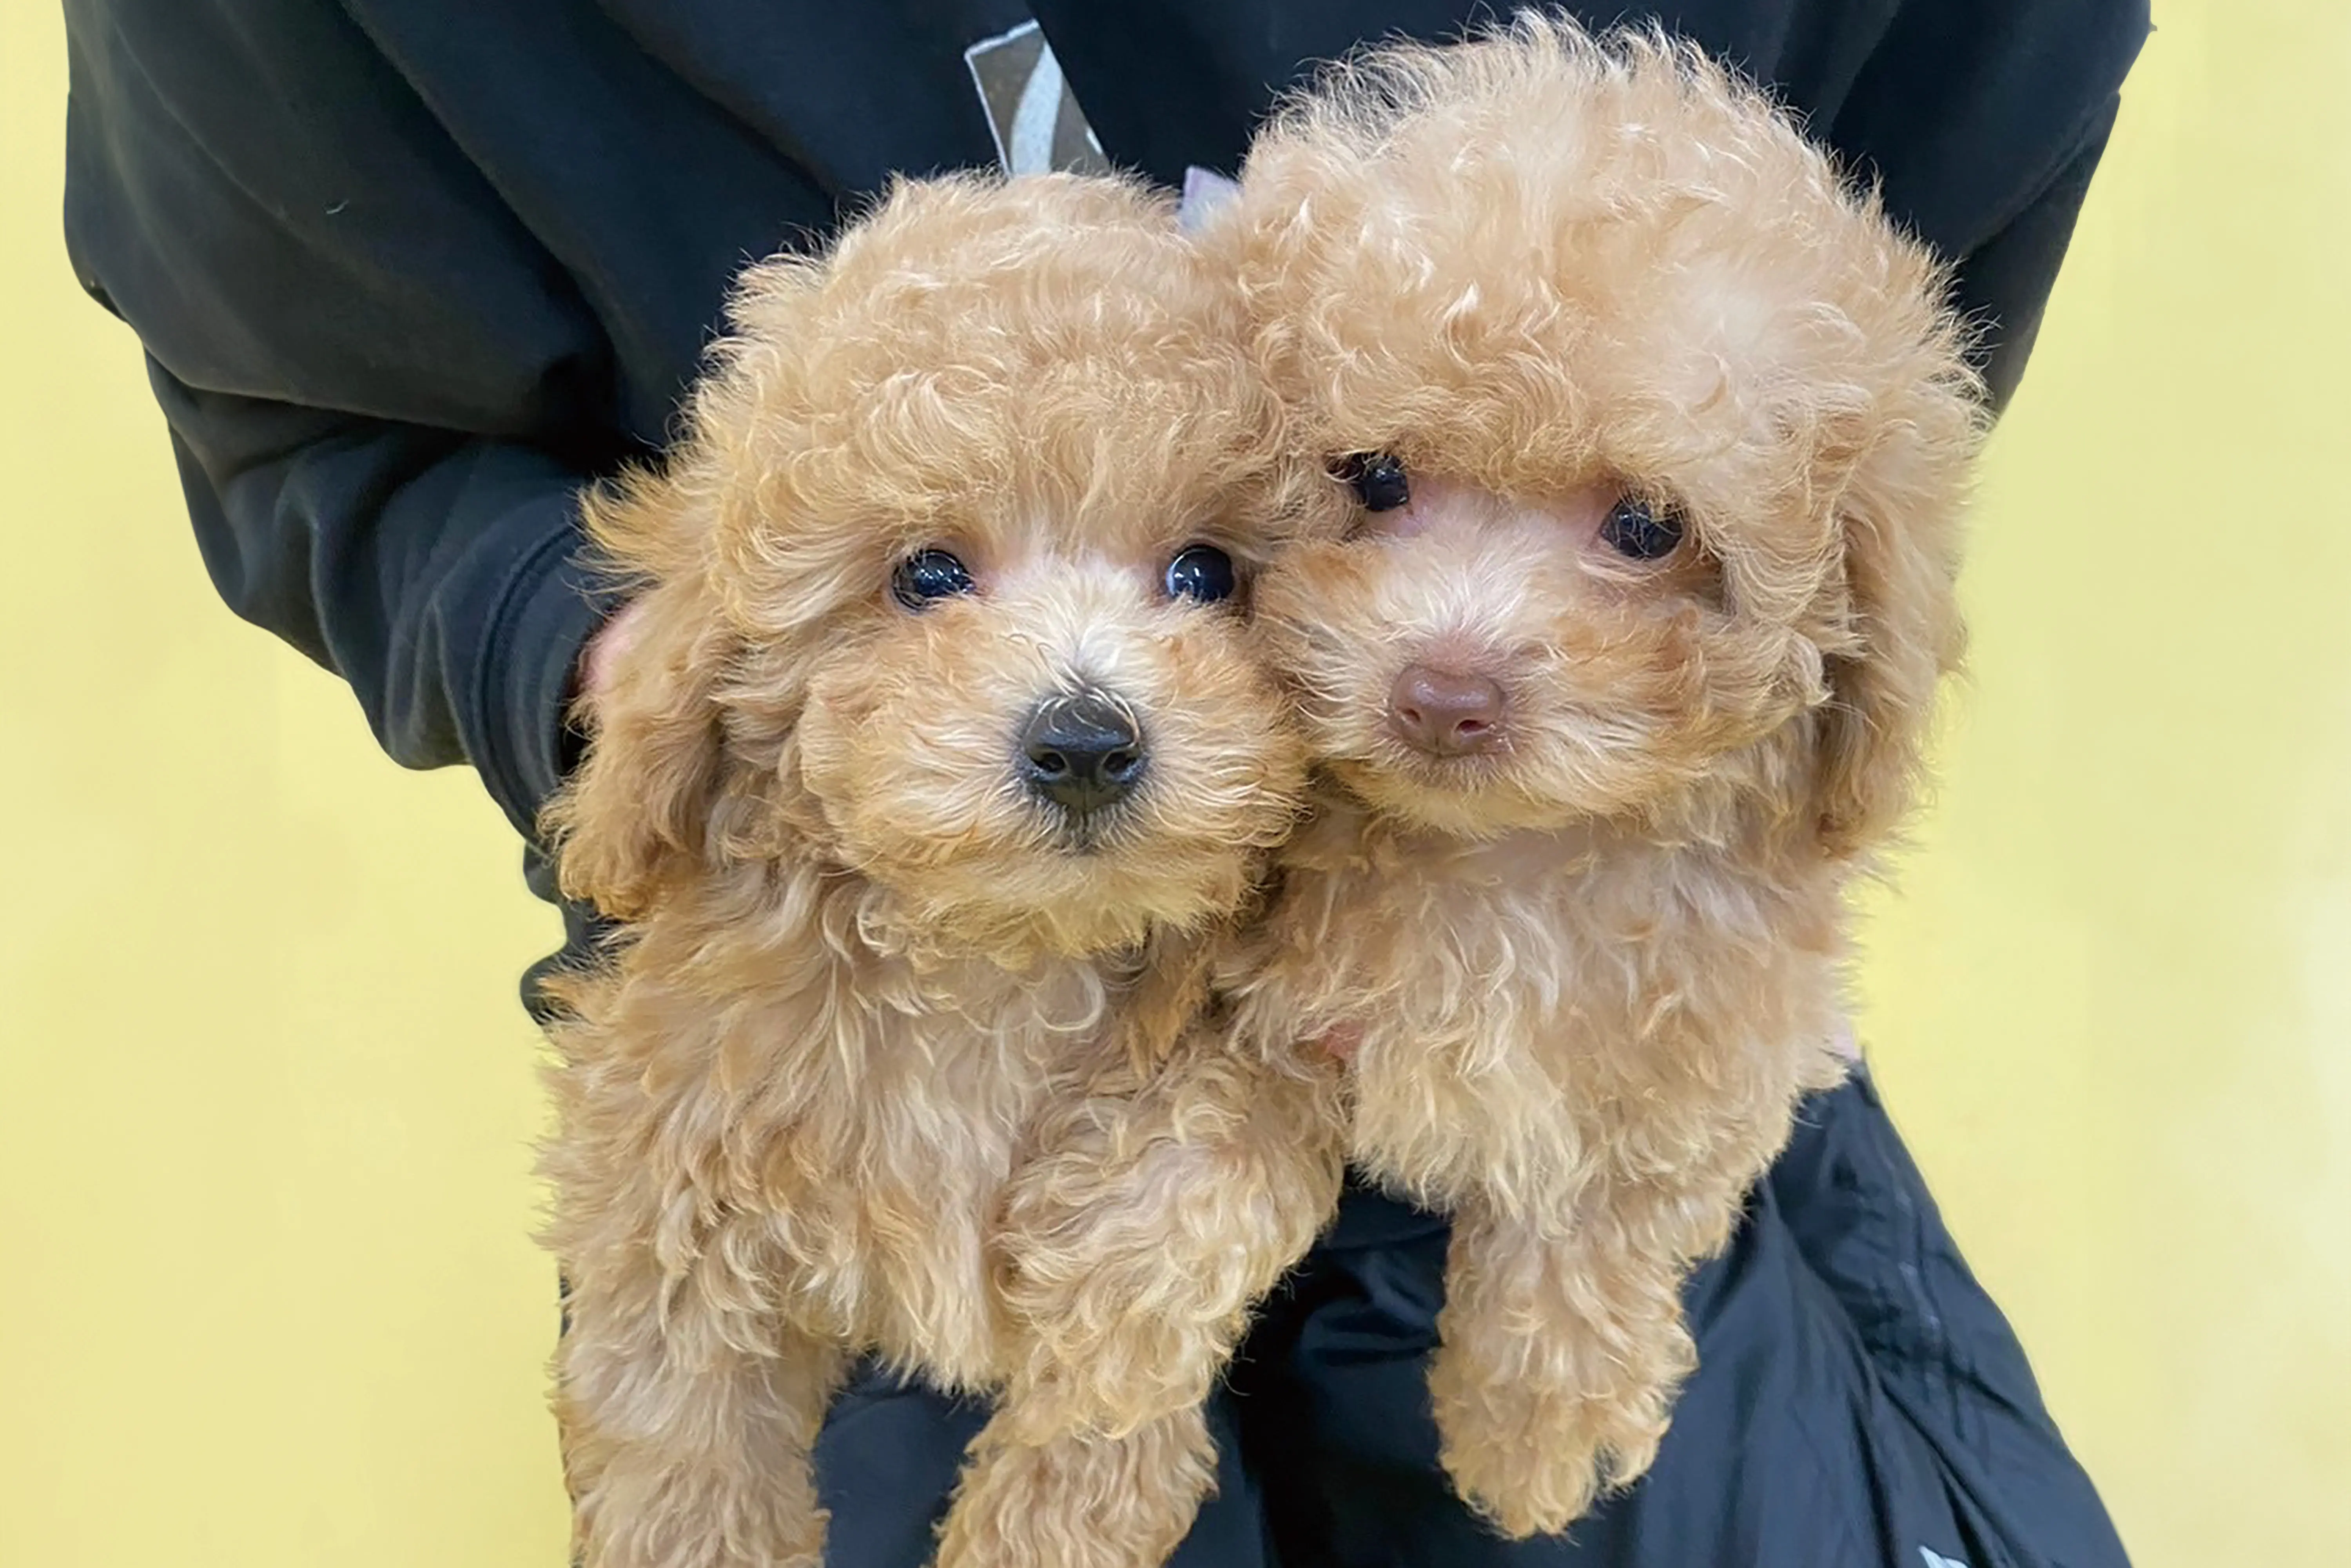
x: 407, y: 287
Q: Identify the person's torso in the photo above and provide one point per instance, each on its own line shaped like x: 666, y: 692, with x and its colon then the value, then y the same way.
x: 652, y: 147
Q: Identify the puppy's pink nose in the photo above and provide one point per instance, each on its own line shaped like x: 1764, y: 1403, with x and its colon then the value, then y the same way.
x: 1446, y: 713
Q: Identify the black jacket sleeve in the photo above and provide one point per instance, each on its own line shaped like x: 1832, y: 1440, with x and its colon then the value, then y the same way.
x: 1982, y: 122
x: 433, y: 571
x: 2004, y: 287
x: 384, y: 394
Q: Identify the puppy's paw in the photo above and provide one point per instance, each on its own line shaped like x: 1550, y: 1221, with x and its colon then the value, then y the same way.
x: 1132, y: 1295
x: 689, y: 1516
x: 1534, y: 1453
x: 1080, y: 1501
x: 1132, y: 1256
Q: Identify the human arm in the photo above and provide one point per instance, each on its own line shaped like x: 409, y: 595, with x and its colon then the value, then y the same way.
x: 383, y: 393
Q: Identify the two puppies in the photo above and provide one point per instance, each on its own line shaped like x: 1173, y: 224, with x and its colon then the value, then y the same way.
x: 1587, y: 458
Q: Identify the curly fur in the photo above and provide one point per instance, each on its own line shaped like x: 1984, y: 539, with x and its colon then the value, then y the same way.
x: 1587, y: 977
x: 864, y: 976
x: 1580, y: 981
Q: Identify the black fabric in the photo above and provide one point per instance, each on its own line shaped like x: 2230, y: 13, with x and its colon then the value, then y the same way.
x: 409, y: 273
x: 1859, y: 1403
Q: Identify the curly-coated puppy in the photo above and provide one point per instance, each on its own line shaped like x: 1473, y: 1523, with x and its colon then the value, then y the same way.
x: 932, y: 764
x: 1616, y: 647
x: 1655, y: 437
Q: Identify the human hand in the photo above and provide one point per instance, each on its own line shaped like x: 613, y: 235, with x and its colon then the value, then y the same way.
x: 600, y: 656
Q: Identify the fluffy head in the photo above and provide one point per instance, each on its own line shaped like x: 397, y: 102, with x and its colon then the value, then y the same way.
x: 1045, y: 381
x: 1598, y: 298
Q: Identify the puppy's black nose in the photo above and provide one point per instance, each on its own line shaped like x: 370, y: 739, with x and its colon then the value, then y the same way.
x: 1082, y: 751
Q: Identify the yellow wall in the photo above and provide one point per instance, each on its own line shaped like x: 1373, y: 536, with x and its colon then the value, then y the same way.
x: 266, y: 1298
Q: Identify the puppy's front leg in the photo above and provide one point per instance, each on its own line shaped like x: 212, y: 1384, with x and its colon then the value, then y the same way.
x: 688, y: 1421
x: 1136, y: 1241
x: 1562, y: 1346
x: 1081, y: 1499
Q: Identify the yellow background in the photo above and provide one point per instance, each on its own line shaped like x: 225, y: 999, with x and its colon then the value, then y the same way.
x: 267, y: 1295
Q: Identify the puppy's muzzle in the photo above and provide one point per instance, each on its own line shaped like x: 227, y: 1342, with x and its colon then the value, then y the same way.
x: 1447, y: 712
x: 1081, y: 751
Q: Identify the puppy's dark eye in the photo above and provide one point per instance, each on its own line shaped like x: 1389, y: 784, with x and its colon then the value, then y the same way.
x: 1378, y: 479
x: 1200, y: 571
x: 1641, y: 531
x: 929, y: 574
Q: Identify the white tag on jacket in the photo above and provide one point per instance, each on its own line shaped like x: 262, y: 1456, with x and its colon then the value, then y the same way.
x: 1032, y: 114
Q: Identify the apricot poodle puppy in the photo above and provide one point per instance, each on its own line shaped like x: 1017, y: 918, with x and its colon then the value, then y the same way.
x: 932, y: 769
x: 1616, y: 643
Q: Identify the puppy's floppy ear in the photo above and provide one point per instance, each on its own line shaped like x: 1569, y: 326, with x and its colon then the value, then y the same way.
x: 1899, y: 520
x: 635, y: 811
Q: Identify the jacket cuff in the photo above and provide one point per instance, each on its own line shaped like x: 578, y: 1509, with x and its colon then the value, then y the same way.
x: 524, y: 744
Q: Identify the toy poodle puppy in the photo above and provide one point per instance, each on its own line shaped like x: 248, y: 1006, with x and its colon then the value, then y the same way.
x: 1656, y: 438
x: 934, y: 766
x: 1616, y: 643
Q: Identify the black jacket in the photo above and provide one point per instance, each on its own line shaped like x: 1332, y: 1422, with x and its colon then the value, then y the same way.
x: 407, y: 271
